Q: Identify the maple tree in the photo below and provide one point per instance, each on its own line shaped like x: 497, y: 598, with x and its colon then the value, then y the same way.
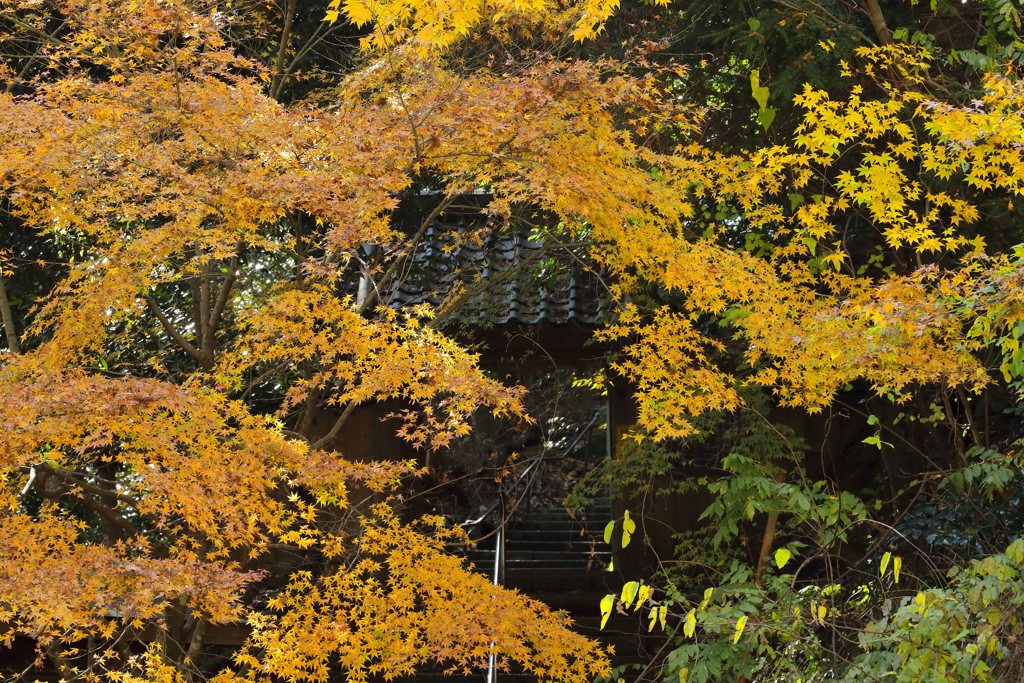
x: 206, y: 232
x: 218, y: 202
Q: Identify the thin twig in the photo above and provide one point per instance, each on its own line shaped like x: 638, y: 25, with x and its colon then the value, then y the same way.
x: 962, y: 395
x: 410, y: 245
x: 327, y: 438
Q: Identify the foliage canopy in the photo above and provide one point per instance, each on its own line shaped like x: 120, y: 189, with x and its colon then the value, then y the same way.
x: 209, y: 181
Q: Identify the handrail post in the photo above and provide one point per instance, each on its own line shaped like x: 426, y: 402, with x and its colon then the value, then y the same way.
x: 499, y: 571
x: 502, y: 537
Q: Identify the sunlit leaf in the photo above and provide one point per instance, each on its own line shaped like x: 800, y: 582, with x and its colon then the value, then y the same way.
x: 690, y: 626
x: 607, y: 603
x: 629, y: 592
x: 741, y: 624
x: 642, y: 595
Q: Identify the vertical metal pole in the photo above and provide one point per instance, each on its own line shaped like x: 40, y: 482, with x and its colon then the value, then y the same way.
x: 499, y: 547
x: 502, y: 539
x: 499, y: 551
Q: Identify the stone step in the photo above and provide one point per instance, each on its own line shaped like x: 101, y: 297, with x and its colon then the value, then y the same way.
x: 592, y: 526
x: 580, y: 553
x: 477, y: 556
x: 476, y: 677
x: 561, y: 586
x: 559, y: 568
x: 548, y: 535
x: 553, y: 564
x: 576, y: 545
x: 558, y: 514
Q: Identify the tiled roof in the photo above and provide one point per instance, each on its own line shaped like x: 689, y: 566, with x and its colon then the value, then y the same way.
x: 504, y: 275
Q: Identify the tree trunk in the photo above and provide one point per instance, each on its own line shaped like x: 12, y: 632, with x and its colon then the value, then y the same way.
x: 8, y: 318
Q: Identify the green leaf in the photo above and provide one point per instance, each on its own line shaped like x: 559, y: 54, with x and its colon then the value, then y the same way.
x: 760, y: 93
x: 782, y: 556
x: 795, y: 200
x: 884, y: 565
x: 754, y: 24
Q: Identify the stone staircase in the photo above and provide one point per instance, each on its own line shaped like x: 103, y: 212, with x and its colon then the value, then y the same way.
x: 566, y: 564
x: 549, y: 540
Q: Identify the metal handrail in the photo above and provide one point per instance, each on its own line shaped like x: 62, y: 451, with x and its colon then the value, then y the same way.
x: 535, y: 462
x: 499, y: 540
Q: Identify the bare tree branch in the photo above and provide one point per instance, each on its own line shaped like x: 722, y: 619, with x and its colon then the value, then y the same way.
x: 204, y: 302
x: 282, y: 50
x: 78, y: 483
x: 175, y: 335
x: 312, y: 401
x: 874, y: 12
x: 196, y: 643
x: 209, y: 336
x: 55, y: 652
x: 962, y: 395
x: 108, y: 514
x: 336, y: 428
x: 410, y: 245
x: 197, y: 315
